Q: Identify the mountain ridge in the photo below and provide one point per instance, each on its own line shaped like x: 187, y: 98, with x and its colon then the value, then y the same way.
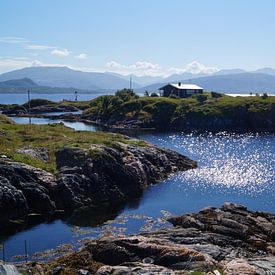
x: 58, y: 79
x: 233, y: 83
x: 64, y: 77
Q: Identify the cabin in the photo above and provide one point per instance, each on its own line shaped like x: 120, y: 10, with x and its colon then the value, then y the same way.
x: 180, y: 90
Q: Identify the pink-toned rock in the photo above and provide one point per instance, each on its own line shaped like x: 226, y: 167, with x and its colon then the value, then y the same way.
x: 240, y: 267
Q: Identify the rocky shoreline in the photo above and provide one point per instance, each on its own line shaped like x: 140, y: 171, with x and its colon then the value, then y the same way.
x: 144, y: 113
x: 228, y: 240
x: 84, y: 177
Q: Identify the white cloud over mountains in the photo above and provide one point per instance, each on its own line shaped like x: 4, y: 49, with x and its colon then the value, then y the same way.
x: 145, y: 68
x: 194, y: 68
x: 8, y: 64
x: 139, y: 68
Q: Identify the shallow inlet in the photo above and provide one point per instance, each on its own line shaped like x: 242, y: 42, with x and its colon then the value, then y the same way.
x: 236, y: 168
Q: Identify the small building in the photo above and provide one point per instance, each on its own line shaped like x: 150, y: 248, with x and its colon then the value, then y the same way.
x: 180, y: 90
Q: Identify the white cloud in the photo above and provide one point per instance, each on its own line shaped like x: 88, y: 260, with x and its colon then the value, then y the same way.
x: 145, y: 68
x: 139, y: 68
x: 60, y: 52
x: 13, y: 40
x: 8, y: 64
x: 81, y: 56
x: 137, y: 65
x: 194, y: 68
x: 38, y: 47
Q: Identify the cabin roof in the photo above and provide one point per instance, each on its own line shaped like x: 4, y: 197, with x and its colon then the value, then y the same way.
x: 182, y: 86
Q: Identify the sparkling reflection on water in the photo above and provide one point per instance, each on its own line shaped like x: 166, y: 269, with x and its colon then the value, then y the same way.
x: 232, y: 167
x: 227, y: 162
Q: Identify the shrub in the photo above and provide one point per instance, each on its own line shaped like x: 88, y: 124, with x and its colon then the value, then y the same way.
x: 201, y: 98
x: 215, y: 95
x: 154, y: 95
x: 126, y: 94
x: 264, y: 96
x: 38, y: 102
x: 173, y: 96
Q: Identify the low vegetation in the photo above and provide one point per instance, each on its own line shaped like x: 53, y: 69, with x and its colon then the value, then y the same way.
x: 165, y: 111
x: 53, y: 136
x: 5, y: 120
x: 38, y: 102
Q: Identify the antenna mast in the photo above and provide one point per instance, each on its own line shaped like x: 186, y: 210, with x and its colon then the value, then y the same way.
x: 130, y: 82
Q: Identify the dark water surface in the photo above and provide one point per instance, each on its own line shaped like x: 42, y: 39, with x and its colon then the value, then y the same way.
x: 232, y: 167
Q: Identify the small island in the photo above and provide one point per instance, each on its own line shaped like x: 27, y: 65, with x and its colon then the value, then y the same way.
x: 51, y: 169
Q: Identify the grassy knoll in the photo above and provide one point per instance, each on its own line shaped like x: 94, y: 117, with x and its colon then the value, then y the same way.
x: 53, y: 136
x: 165, y: 111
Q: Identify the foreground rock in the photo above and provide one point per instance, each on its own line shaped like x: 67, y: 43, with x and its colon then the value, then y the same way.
x: 230, y: 240
x: 85, y: 177
x: 103, y: 174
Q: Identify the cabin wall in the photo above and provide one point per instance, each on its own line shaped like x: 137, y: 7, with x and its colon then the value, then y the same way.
x: 167, y: 91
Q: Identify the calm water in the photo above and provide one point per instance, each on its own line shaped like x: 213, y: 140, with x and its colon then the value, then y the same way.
x: 74, y: 124
x: 236, y: 168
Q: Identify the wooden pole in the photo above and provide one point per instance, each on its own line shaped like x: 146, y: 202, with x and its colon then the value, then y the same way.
x: 26, y: 252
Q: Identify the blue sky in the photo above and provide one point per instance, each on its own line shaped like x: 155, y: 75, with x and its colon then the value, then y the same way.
x: 153, y: 37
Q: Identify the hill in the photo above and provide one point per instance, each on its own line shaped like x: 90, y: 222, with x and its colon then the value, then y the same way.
x: 25, y: 84
x: 15, y: 83
x: 64, y: 77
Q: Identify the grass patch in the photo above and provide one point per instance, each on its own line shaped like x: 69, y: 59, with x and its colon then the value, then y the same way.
x: 54, y: 137
x: 5, y: 120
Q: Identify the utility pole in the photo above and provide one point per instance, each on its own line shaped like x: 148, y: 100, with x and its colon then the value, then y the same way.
x: 130, y: 82
x: 29, y: 101
x: 29, y: 106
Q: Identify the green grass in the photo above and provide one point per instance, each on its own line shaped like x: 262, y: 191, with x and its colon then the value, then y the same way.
x: 54, y: 137
x: 166, y: 110
x: 5, y: 120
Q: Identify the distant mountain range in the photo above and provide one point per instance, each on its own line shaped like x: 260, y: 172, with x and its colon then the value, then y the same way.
x: 233, y: 83
x: 64, y: 79
x: 25, y: 84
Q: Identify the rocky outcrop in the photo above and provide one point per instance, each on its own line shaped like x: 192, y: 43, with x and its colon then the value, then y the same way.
x: 85, y: 177
x: 41, y: 153
x: 102, y: 174
x: 150, y: 250
x: 231, y: 226
x: 230, y: 240
x: 24, y: 189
